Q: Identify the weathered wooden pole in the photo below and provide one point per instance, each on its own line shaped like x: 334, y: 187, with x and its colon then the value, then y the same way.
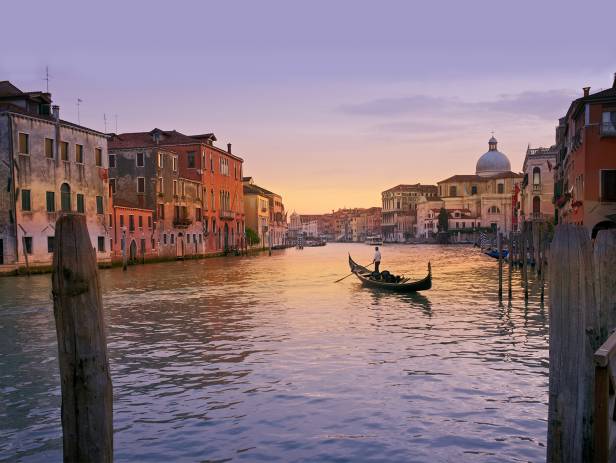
x: 544, y: 259
x: 604, y: 257
x: 87, y: 417
x: 573, y: 325
x: 499, y: 247
x: 525, y: 259
x: 511, y: 257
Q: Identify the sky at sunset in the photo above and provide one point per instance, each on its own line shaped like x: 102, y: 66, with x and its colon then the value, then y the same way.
x: 328, y: 102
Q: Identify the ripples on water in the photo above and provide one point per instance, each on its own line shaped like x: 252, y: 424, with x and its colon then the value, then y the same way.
x: 265, y: 359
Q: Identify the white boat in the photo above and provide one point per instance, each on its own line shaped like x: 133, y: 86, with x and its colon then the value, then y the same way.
x: 374, y: 240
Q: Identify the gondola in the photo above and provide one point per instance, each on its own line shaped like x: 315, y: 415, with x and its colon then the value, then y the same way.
x: 404, y: 286
x: 493, y: 253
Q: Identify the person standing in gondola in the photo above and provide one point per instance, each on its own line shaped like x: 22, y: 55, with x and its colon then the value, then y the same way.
x: 377, y: 259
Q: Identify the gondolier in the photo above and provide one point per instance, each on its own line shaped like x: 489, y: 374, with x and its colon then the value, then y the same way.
x: 377, y: 259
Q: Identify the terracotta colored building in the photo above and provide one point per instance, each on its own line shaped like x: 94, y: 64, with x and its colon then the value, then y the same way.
x: 585, y: 179
x: 218, y: 171
x: 136, y: 227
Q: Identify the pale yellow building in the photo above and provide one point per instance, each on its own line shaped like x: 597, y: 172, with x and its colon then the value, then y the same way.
x: 257, y: 213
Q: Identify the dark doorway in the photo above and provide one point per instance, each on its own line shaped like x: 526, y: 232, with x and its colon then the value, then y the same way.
x: 133, y: 251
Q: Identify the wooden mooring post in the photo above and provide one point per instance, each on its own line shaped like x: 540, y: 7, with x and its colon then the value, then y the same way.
x: 499, y: 246
x: 524, y: 250
x: 582, y: 315
x: 87, y: 417
x: 511, y: 258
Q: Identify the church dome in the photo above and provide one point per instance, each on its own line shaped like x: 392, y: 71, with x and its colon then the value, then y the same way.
x: 493, y: 161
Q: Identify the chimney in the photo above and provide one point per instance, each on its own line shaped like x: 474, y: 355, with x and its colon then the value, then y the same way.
x: 586, y: 91
x: 229, y: 148
x: 56, y: 112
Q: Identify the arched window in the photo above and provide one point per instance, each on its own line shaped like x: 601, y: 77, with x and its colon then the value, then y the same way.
x: 65, y: 197
x: 536, y: 176
x: 536, y: 205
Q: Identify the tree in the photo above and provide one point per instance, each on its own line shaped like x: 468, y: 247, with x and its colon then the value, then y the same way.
x: 252, y: 237
x: 443, y: 220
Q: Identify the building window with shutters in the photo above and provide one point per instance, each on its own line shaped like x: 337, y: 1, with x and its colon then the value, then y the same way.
x: 98, y: 156
x: 131, y: 222
x: 24, y: 143
x: 50, y: 199
x: 79, y: 154
x: 50, y: 244
x: 140, y: 221
x: 101, y: 244
x: 25, y: 201
x: 49, y: 148
x: 500, y: 188
x: 191, y: 160
x: 99, y: 205
x: 64, y: 150
x: 140, y: 184
x: 65, y: 197
x: 140, y: 160
x: 80, y: 203
x: 112, y: 160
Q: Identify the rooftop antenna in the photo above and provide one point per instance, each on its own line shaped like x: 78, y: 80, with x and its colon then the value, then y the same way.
x: 116, y: 123
x: 105, y: 119
x: 46, y: 79
x: 79, y: 101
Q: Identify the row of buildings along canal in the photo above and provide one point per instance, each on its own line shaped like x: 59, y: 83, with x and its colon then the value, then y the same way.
x: 572, y: 181
x: 161, y: 194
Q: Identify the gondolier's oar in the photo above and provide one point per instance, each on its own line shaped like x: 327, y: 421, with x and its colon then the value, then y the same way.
x: 352, y: 273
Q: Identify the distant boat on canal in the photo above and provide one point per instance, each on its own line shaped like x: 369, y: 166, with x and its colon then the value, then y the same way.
x: 384, y: 280
x: 374, y: 240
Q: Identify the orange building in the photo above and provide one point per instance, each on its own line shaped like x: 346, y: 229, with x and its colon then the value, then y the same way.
x: 219, y: 172
x: 585, y: 177
x: 135, y: 226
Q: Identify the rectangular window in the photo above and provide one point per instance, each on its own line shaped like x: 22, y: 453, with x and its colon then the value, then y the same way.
x: 140, y: 221
x: 212, y: 163
x: 112, y: 186
x: 140, y: 160
x: 474, y: 189
x: 50, y: 198
x: 112, y: 160
x: 49, y: 148
x: 28, y: 243
x: 175, y: 187
x: 160, y: 185
x: 131, y: 222
x: 142, y: 246
x: 140, y: 184
x: 79, y: 154
x: 198, y: 214
x: 161, y: 211
x: 121, y: 220
x: 111, y: 222
x: 172, y: 238
x: 153, y: 242
x: 160, y: 160
x: 50, y: 243
x: 176, y: 212
x: 111, y: 245
x: 453, y: 191
x: 149, y: 221
x: 608, y: 185
x: 24, y: 143
x: 64, y: 150
x: 175, y: 164
x: 164, y: 238
x: 80, y: 203
x: 98, y: 156
x: 500, y: 188
x: 25, y: 200
x: 99, y: 205
x: 191, y: 160
x: 101, y: 244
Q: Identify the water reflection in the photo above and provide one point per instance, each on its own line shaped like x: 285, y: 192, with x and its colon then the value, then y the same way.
x: 265, y: 358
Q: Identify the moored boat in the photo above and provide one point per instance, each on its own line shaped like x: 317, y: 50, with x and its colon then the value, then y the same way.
x: 405, y: 285
x: 374, y: 240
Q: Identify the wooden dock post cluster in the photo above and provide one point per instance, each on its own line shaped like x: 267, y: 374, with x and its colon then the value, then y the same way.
x: 87, y: 417
x: 582, y: 315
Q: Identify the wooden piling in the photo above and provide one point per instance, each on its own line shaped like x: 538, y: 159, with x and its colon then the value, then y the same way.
x: 525, y: 259
x: 573, y: 320
x: 604, y: 257
x: 87, y: 417
x: 499, y: 247
x: 511, y: 257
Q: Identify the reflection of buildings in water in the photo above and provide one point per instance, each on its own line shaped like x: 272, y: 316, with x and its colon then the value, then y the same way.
x: 380, y: 297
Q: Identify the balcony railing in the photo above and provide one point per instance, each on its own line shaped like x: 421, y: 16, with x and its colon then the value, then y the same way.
x: 226, y: 214
x: 181, y: 222
x: 608, y: 129
x: 537, y: 188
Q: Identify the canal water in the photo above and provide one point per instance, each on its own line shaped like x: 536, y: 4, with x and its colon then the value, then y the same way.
x: 266, y: 359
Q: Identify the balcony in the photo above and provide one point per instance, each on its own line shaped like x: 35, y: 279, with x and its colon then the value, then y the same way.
x: 608, y: 129
x: 181, y: 222
x: 537, y: 188
x: 227, y: 215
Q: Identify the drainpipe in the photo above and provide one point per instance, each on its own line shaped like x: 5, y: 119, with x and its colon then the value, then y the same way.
x: 13, y: 189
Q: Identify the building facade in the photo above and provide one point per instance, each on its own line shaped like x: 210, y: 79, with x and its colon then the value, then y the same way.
x: 537, y: 189
x: 585, y: 179
x: 487, y: 199
x: 399, y: 205
x: 218, y: 171
x: 268, y: 220
x: 48, y: 167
